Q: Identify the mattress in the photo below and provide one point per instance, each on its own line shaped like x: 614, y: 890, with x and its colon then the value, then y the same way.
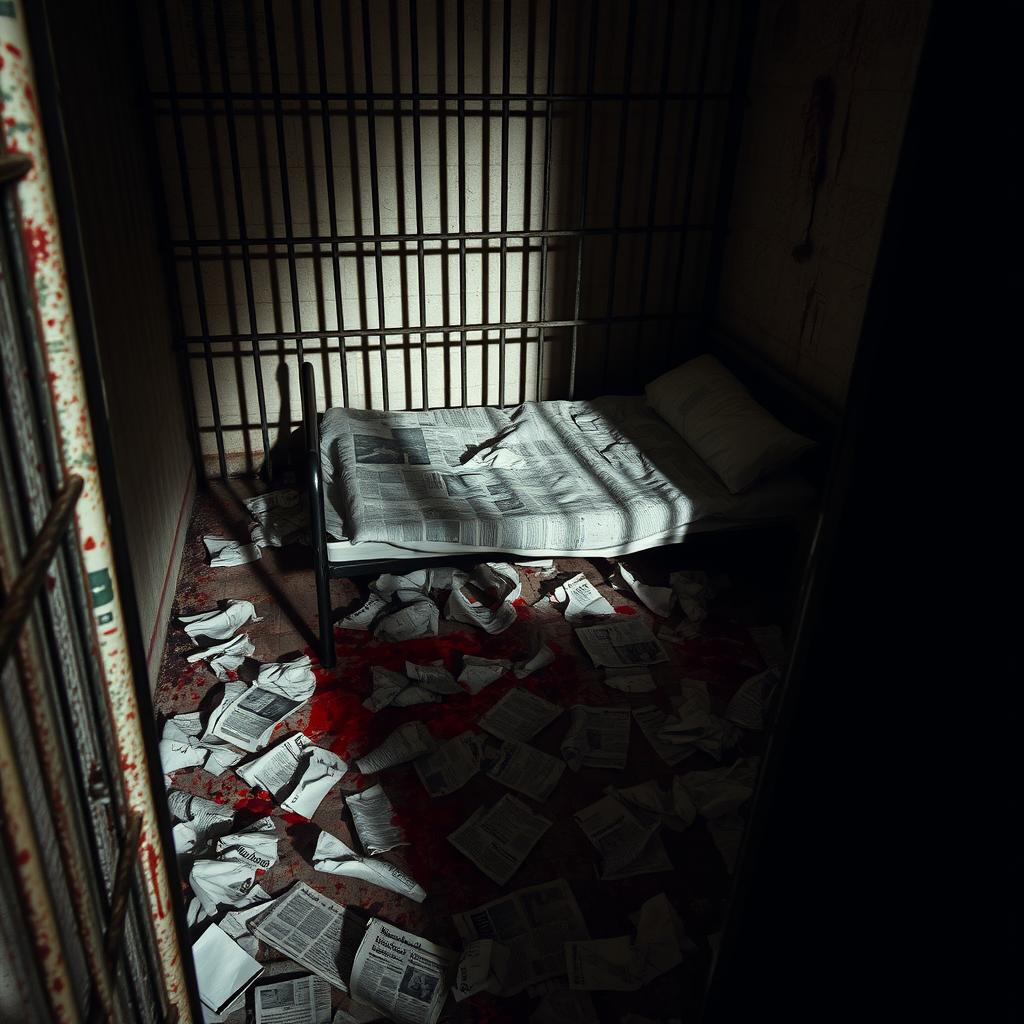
x: 596, y: 478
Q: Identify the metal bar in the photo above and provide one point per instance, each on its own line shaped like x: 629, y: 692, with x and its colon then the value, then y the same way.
x: 449, y: 328
x: 325, y: 121
x: 282, y: 163
x: 548, y: 112
x: 659, y: 136
x: 23, y: 591
x: 485, y: 192
x: 190, y: 227
x: 442, y: 165
x: 236, y: 172
x: 524, y: 284
x: 417, y: 152
x: 375, y: 197
x: 506, y: 65
x: 485, y: 96
x: 620, y: 176
x: 461, y: 78
x: 584, y: 175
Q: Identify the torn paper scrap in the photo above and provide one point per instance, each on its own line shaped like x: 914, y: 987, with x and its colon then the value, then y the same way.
x: 236, y: 923
x: 691, y: 590
x: 403, y: 975
x: 221, y: 623
x: 255, y: 845
x: 498, y: 839
x: 651, y: 804
x: 206, y: 817
x: 624, y: 846
x: 179, y: 748
x: 562, y: 1005
x: 598, y: 737
x: 726, y: 831
x: 297, y: 772
x: 279, y: 690
x: 478, y: 673
x: 223, y: 969
x: 749, y: 703
x: 451, y: 765
x: 194, y: 913
x: 540, y: 657
x: 769, y: 643
x: 334, y: 857
x: 281, y: 516
x: 629, y: 680
x: 225, y: 551
x: 584, y: 600
x: 721, y: 790
x: 484, y: 596
x: 304, y: 1000
x: 680, y: 633
x: 392, y: 688
x: 434, y: 677
x: 411, y: 620
x: 228, y: 656
x: 652, y: 720
x: 374, y: 819
x: 222, y: 756
x: 519, y: 715
x: 307, y: 927
x: 656, y: 599
x: 538, y: 563
x: 693, y: 725
x: 483, y: 967
x: 621, y: 644
x: 184, y: 838
x: 534, y: 923
x: 225, y: 882
x: 521, y: 767
x: 406, y: 743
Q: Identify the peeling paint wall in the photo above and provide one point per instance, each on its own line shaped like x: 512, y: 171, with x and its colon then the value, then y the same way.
x: 830, y: 90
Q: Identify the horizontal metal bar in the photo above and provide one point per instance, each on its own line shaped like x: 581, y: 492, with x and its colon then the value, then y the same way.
x: 376, y: 332
x: 435, y: 236
x: 297, y: 96
x: 29, y: 581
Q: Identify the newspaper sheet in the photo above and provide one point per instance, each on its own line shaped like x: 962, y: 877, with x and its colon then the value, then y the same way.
x: 626, y: 964
x: 281, y: 517
x: 584, y: 600
x: 478, y: 673
x: 179, y: 744
x: 652, y: 721
x: 305, y: 1000
x: 519, y: 715
x: 401, y: 974
x: 335, y: 858
x: 406, y: 743
x: 229, y: 655
x: 220, y: 623
x: 656, y: 599
x: 225, y: 551
x: 720, y: 790
x: 310, y: 929
x: 749, y: 703
x: 624, y: 846
x: 184, y: 837
x: 523, y: 768
x: 297, y: 772
x: 223, y: 969
x: 229, y: 883
x: 562, y: 1005
x: 256, y: 844
x: 542, y: 479
x: 651, y: 804
x: 691, y: 590
x: 598, y: 737
x: 622, y: 644
x: 236, y: 923
x: 213, y: 652
x: 681, y: 632
x: 534, y: 923
x: 280, y: 689
x: 694, y: 725
x: 452, y: 765
x: 630, y: 680
x: 391, y: 688
x: 207, y: 818
x: 540, y: 657
x: 498, y: 839
x: 484, y: 596
x: 483, y: 967
x: 374, y: 819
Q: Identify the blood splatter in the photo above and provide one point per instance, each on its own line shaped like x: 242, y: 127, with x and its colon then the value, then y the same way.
x: 89, y: 544
x: 625, y: 609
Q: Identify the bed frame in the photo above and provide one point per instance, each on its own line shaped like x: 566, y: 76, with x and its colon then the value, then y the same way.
x: 796, y: 407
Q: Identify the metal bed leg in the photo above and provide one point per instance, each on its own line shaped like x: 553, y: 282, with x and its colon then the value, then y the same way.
x: 317, y: 526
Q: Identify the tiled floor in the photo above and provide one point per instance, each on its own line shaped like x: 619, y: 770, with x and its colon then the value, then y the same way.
x: 281, y: 587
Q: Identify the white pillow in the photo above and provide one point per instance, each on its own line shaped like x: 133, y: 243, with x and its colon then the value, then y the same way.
x: 716, y: 416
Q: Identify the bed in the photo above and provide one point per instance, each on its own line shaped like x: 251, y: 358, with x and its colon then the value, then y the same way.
x: 599, y: 478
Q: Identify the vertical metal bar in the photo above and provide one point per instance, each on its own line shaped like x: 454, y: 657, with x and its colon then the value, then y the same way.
x: 414, y: 45
x: 485, y: 196
x: 549, y: 110
x: 442, y: 170
x: 461, y: 86
x: 506, y: 82
x: 371, y: 125
x: 527, y: 242
x: 282, y: 166
x: 325, y: 122
x: 659, y: 134
x: 190, y: 229
x: 627, y: 81
x: 691, y: 166
x: 243, y: 236
x: 584, y: 176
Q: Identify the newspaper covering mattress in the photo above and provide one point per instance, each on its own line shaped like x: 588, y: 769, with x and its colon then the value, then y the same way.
x: 544, y: 478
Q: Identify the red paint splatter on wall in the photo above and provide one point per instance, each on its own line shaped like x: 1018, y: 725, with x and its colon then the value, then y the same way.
x: 89, y: 544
